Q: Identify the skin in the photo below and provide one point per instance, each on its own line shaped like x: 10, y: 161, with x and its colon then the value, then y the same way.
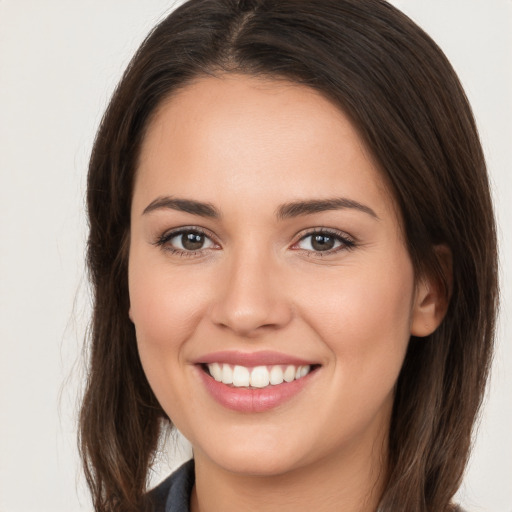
x: 247, y: 146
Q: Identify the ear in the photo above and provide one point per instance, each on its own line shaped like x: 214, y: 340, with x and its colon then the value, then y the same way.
x: 433, y: 295
x: 130, y: 314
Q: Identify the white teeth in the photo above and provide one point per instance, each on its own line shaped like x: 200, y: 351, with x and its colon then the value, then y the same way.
x: 241, y: 377
x: 216, y: 371
x: 260, y: 377
x: 289, y: 373
x: 257, y: 377
x: 227, y: 374
x: 276, y: 375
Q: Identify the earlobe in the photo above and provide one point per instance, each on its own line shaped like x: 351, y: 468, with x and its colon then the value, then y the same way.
x: 130, y: 314
x: 433, y: 295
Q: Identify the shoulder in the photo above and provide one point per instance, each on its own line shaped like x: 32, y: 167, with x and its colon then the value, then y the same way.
x: 173, y: 494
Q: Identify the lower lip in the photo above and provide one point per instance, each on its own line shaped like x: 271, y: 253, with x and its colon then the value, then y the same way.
x: 254, y: 399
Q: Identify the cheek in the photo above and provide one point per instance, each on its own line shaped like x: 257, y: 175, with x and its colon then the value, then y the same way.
x: 164, y: 307
x: 363, y: 315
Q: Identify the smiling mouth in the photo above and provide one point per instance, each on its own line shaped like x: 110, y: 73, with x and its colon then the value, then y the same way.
x: 257, y: 377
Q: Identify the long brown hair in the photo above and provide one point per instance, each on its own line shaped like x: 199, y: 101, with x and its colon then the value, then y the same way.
x: 409, y: 107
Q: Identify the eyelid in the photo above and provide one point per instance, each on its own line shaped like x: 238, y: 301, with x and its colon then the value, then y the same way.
x: 170, y: 233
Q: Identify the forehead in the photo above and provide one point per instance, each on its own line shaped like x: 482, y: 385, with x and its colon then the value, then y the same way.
x: 254, y: 109
x: 256, y: 138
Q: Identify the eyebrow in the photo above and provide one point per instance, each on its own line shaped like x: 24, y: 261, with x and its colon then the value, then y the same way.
x: 298, y: 208
x: 285, y: 211
x: 183, y: 205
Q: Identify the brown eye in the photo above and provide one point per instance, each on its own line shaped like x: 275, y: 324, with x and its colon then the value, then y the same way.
x: 186, y: 241
x: 192, y: 241
x: 324, y: 241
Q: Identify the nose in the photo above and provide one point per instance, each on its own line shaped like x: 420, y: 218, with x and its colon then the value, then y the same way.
x: 252, y: 297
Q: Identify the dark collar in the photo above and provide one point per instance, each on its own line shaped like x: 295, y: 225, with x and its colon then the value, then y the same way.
x: 173, y: 494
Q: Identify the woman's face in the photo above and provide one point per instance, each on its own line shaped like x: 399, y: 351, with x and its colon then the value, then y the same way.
x: 266, y: 248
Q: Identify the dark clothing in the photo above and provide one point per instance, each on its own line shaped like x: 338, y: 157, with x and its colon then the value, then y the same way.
x: 173, y: 494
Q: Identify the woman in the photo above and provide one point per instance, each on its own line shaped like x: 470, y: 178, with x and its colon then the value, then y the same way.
x: 293, y: 254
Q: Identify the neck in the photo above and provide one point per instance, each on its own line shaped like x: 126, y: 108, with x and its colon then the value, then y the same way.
x: 351, y: 482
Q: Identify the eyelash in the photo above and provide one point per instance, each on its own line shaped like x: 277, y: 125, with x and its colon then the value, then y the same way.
x: 164, y: 240
x: 346, y: 242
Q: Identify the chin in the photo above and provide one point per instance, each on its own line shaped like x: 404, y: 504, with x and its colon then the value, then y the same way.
x: 258, y: 464
x: 253, y: 457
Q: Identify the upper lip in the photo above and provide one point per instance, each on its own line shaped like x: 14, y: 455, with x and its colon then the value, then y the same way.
x: 251, y: 359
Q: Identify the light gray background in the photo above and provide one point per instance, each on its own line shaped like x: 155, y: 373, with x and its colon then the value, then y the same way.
x: 59, y: 62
